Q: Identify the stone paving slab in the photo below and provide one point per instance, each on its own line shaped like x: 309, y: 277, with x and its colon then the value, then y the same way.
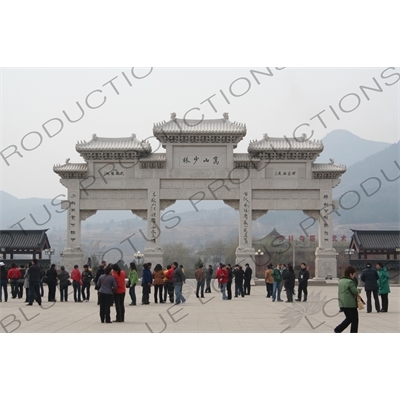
x: 251, y: 314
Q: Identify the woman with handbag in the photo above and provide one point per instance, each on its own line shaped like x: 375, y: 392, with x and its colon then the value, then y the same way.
x: 348, y: 295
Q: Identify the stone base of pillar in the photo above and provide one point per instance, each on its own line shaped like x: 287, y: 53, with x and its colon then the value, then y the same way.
x: 154, y: 255
x: 246, y: 255
x: 325, y: 263
x: 72, y: 256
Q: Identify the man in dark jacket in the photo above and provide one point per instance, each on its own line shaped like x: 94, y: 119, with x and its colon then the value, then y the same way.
x: 239, y: 277
x: 229, y: 283
x: 304, y: 275
x: 209, y: 274
x: 247, y: 279
x: 86, y: 279
x: 52, y: 277
x: 34, y: 283
x: 370, y: 277
x: 179, y: 280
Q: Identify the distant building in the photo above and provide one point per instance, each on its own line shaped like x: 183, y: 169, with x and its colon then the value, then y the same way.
x: 16, y: 243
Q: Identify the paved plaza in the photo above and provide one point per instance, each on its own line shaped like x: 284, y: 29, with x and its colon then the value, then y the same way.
x: 251, y: 314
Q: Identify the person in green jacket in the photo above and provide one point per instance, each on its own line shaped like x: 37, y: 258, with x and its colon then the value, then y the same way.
x: 383, y: 283
x: 133, y: 280
x: 276, y: 288
x: 348, y: 301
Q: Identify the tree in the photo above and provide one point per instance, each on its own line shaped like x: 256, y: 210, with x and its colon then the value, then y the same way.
x: 182, y: 254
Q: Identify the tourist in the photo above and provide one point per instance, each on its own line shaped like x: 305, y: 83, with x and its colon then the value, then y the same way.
x: 133, y: 280
x: 347, y: 293
x: 179, y: 280
x: 158, y: 283
x: 42, y: 275
x: 76, y: 277
x: 13, y: 275
x: 383, y: 283
x: 229, y: 283
x: 283, y: 272
x: 63, y: 277
x: 209, y: 275
x: 119, y: 293
x: 222, y: 277
x: 89, y: 263
x: 26, y: 284
x: 165, y: 280
x: 86, y: 281
x: 34, y: 283
x: 303, y: 282
x: 247, y: 280
x: 106, y: 287
x: 100, y: 271
x: 21, y: 281
x: 239, y: 278
x: 200, y: 276
x: 269, y: 280
x: 169, y: 275
x: 276, y: 289
x: 289, y: 278
x: 147, y: 279
x: 370, y: 277
x: 3, y: 282
x: 51, y: 280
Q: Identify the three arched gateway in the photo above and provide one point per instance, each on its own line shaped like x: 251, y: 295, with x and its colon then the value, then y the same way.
x: 199, y: 164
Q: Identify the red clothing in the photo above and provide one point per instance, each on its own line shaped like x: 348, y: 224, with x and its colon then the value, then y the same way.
x: 120, y: 279
x: 76, y: 275
x: 14, y: 273
x: 222, y: 275
x: 169, y: 274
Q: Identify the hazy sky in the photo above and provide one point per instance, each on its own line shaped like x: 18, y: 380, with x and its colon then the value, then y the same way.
x: 276, y: 104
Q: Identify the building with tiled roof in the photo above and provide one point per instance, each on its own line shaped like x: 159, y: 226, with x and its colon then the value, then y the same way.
x: 23, y: 242
x: 367, y: 243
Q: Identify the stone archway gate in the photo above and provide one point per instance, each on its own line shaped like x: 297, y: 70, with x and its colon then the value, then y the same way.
x: 200, y: 164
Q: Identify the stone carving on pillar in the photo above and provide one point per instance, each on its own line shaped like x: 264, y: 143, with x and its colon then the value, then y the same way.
x: 233, y: 203
x: 153, y: 255
x: 325, y: 263
x: 315, y: 214
x: 87, y: 213
x: 166, y: 203
x: 140, y: 213
x: 258, y: 213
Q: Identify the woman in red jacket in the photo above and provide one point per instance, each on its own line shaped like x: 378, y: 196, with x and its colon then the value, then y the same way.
x: 222, y: 276
x: 119, y: 294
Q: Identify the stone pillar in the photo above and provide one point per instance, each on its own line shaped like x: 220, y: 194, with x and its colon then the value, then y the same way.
x: 325, y: 254
x: 73, y: 253
x: 153, y: 251
x: 245, y: 252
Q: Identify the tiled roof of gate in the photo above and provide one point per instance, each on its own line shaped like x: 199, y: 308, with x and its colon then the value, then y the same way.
x: 328, y: 168
x: 130, y: 143
x: 70, y: 168
x: 271, y: 144
x: 24, y: 239
x: 376, y: 239
x: 205, y: 126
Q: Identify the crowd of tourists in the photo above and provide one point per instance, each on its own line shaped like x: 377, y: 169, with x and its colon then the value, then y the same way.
x: 111, y: 284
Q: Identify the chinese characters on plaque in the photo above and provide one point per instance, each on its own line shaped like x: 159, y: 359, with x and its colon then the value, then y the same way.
x: 153, y: 216
x: 285, y: 173
x: 200, y: 160
x: 72, y: 216
x: 246, y: 216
